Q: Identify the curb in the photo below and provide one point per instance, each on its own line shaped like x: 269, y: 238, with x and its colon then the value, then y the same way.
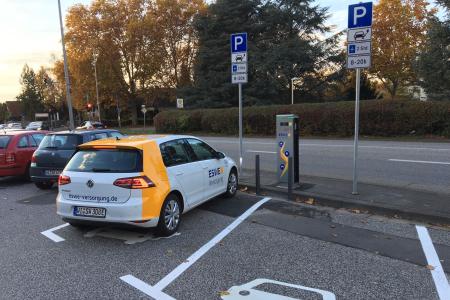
x: 337, y: 202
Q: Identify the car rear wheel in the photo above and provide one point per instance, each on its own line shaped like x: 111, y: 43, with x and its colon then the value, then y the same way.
x: 170, y: 217
x: 44, y: 185
x: 232, y: 184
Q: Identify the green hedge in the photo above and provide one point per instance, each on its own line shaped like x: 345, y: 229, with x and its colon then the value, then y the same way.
x: 377, y: 118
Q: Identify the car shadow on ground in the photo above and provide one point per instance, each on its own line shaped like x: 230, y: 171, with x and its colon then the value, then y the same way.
x: 12, y: 181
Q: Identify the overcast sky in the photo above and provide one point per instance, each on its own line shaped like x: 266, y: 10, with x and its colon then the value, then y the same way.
x: 30, y: 35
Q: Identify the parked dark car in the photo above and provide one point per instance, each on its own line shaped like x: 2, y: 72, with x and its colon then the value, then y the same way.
x: 16, y: 150
x: 56, y: 150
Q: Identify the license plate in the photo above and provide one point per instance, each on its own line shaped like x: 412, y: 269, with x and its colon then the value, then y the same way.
x: 96, y: 212
x: 52, y: 172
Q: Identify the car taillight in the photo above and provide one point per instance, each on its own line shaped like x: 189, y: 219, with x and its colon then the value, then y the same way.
x: 140, y: 182
x: 10, y: 158
x: 33, y: 161
x: 63, y: 179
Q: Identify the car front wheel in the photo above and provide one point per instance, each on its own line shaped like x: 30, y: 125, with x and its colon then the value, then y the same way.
x: 232, y: 184
x: 170, y: 217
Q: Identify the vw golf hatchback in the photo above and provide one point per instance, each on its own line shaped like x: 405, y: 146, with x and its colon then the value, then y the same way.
x: 145, y: 181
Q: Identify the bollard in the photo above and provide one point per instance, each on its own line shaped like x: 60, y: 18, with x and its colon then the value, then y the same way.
x: 290, y: 178
x: 257, y: 175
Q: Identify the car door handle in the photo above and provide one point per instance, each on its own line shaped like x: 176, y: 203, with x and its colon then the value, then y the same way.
x: 204, y: 168
x: 179, y: 173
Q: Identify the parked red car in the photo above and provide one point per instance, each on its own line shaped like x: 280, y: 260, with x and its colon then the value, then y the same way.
x: 16, y: 150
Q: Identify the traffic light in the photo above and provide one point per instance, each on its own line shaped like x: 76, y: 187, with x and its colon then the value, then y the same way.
x: 89, y: 106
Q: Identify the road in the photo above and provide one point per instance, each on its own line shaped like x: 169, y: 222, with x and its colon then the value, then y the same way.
x: 219, y: 245
x: 421, y: 166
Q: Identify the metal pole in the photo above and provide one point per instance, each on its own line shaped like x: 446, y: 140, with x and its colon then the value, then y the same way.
x: 66, y: 71
x: 240, y: 127
x: 290, y: 167
x: 257, y: 175
x: 144, y: 120
x: 355, y: 146
x: 292, y: 91
x: 118, y: 111
x: 96, y: 89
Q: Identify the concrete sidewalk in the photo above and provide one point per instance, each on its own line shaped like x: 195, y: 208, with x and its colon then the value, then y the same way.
x: 398, y: 202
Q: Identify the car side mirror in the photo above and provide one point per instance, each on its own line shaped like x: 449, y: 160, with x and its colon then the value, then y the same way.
x: 220, y: 155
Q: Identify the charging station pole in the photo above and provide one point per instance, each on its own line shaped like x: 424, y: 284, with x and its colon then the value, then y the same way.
x: 239, y: 76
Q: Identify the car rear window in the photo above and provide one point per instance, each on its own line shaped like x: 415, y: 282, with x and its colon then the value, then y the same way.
x: 4, y: 141
x: 60, y: 141
x: 106, y: 161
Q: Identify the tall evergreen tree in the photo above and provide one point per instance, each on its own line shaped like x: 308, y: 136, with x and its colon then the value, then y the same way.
x: 434, y: 61
x: 283, y: 42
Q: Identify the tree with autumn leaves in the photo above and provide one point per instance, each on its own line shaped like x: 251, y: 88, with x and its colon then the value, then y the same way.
x: 398, y: 35
x: 140, y: 45
x: 146, y: 48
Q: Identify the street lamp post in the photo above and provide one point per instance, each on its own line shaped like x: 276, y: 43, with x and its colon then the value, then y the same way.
x: 94, y: 63
x: 292, y: 89
x: 66, y: 71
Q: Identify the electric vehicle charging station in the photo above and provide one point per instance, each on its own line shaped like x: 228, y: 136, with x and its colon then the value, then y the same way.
x: 288, y: 129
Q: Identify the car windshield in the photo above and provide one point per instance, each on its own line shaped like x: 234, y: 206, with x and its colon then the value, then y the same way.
x: 106, y: 161
x: 4, y: 140
x: 60, y: 141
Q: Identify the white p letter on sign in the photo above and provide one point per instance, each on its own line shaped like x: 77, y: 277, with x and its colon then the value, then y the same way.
x: 357, y: 15
x: 238, y: 40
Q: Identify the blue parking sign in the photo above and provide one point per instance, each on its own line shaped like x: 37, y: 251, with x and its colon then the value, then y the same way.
x: 360, y: 15
x: 239, y: 42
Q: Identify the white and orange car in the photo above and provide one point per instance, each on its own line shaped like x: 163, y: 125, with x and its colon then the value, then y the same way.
x: 146, y: 181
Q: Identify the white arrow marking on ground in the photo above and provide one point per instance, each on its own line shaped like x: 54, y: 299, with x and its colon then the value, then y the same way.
x: 56, y: 238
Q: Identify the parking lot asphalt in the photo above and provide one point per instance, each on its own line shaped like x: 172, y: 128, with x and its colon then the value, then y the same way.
x: 282, y: 245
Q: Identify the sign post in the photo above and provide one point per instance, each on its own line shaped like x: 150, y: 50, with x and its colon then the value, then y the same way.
x: 239, y: 75
x: 144, y: 111
x: 359, y: 49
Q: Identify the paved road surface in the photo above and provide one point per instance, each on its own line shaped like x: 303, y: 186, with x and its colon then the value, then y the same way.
x: 422, y: 166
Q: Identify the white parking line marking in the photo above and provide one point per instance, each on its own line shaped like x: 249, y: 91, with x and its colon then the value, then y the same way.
x: 144, y: 287
x: 260, y: 151
x: 442, y: 286
x: 56, y: 238
x: 169, y: 278
x: 421, y: 161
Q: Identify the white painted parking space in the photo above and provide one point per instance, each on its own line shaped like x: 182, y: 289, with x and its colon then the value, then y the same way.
x: 440, y: 280
x: 156, y: 290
